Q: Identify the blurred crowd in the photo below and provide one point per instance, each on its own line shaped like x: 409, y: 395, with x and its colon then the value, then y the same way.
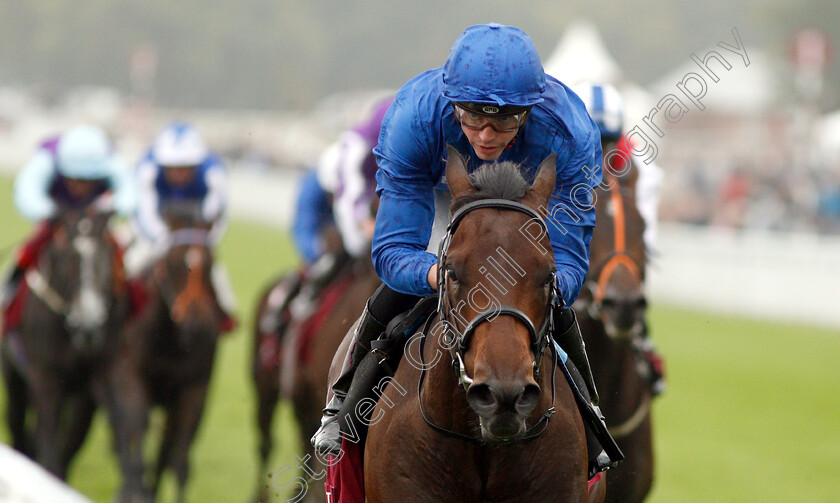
x: 745, y: 196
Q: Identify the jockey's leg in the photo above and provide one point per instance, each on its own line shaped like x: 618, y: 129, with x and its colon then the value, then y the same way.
x: 384, y: 305
x: 656, y: 365
x: 602, y: 449
x: 26, y: 257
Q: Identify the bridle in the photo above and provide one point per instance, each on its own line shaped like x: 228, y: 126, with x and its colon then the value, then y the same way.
x: 93, y: 310
x: 457, y: 340
x: 162, y: 277
x: 606, y: 267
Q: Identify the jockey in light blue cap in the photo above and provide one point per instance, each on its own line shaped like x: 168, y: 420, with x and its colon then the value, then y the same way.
x: 491, y: 101
x: 74, y: 171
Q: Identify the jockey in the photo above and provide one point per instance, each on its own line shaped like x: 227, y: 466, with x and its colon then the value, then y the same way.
x: 493, y: 102
x: 348, y: 168
x: 313, y: 211
x: 341, y: 191
x: 75, y: 170
x: 179, y: 168
x: 606, y: 108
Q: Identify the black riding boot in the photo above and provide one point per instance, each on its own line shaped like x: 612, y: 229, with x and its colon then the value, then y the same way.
x: 7, y: 294
x: 567, y: 333
x: 604, y: 453
x: 327, y: 440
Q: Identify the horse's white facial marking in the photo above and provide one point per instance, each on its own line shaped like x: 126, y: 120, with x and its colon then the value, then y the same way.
x: 85, y: 226
x: 88, y: 310
x: 611, y: 208
x: 194, y: 258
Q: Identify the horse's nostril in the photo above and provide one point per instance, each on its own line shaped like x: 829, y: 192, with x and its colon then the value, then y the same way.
x: 528, y: 399
x: 481, y: 398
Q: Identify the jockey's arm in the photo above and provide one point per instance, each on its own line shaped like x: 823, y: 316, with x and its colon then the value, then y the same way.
x: 214, y: 206
x: 148, y: 217
x: 572, y: 216
x: 123, y: 189
x: 31, y: 190
x: 405, y: 185
x: 312, y: 210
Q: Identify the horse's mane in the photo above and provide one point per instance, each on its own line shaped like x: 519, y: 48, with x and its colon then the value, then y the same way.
x: 498, y: 180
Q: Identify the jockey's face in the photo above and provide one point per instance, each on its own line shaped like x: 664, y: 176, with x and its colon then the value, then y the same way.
x: 79, y: 188
x: 489, y: 136
x: 178, y: 176
x: 487, y: 142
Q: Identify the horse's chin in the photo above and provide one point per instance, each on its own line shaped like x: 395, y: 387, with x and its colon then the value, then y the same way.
x: 502, y: 429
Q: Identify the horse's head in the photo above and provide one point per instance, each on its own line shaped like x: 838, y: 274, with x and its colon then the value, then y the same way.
x: 80, y: 277
x: 183, y: 278
x: 497, y: 288
x: 614, y: 292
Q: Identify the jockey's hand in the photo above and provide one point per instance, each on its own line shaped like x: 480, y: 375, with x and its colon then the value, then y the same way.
x: 432, y: 277
x: 103, y: 203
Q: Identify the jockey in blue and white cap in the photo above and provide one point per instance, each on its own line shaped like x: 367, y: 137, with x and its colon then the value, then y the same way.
x: 179, y: 168
x: 493, y: 102
x: 73, y: 171
x: 606, y: 107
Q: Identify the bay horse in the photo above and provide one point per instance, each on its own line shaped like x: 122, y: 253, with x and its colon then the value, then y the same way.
x: 59, y: 364
x: 171, y: 345
x: 504, y: 426
x: 302, y: 360
x: 612, y: 309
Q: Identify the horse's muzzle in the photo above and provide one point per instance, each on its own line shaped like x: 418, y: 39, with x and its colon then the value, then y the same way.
x: 503, y: 409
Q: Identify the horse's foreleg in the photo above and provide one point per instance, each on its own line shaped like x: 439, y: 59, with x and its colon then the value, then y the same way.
x: 46, y: 395
x: 17, y: 402
x: 123, y: 394
x: 186, y: 416
x: 268, y: 393
x: 80, y: 410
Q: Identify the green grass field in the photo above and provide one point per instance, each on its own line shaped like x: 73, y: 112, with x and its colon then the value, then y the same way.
x: 751, y: 413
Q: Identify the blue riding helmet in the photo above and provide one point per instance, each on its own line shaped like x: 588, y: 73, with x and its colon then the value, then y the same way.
x: 496, y: 64
x: 604, y: 104
x: 84, y: 153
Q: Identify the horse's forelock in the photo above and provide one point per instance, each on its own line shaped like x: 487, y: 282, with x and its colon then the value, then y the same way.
x: 502, y: 180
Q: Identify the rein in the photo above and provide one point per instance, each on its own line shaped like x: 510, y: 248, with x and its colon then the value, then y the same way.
x: 458, y: 341
x: 618, y: 257
x: 40, y: 286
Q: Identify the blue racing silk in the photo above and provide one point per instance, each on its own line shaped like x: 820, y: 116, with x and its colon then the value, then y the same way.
x: 411, y: 155
x: 313, y: 210
x: 208, y: 189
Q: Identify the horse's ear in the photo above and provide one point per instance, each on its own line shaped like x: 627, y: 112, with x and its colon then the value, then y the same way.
x: 456, y: 174
x: 545, y: 180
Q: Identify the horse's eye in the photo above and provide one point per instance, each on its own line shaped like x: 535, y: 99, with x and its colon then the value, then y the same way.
x: 549, y: 280
x: 450, y: 274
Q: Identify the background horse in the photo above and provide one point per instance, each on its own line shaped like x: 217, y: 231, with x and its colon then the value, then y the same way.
x: 59, y: 363
x: 303, y: 358
x: 494, y: 441
x: 172, y: 343
x: 612, y: 315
